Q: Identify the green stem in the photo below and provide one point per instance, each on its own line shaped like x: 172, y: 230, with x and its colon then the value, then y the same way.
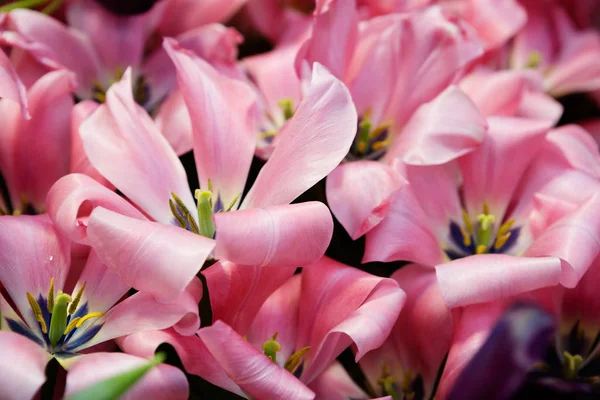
x: 52, y: 7
x: 22, y: 4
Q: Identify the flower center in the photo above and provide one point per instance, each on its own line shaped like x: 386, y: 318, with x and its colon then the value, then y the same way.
x: 274, y: 123
x: 293, y: 364
x: 63, y: 324
x: 141, y: 89
x: 411, y: 387
x: 370, y: 142
x: 480, y: 236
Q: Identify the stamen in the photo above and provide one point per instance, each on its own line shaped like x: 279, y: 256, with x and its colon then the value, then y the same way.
x: 271, y: 347
x: 58, y: 322
x: 177, y: 215
x: 505, y: 227
x: 362, y: 140
x: 267, y: 134
x: 534, y: 60
x: 71, y: 325
x: 378, y: 130
x: 501, y: 240
x: 467, y: 222
x: 205, y: 211
x: 293, y: 361
x: 287, y: 105
x: 481, y: 249
x: 486, y: 208
x: 51, y: 296
x: 466, y: 236
x: 37, y: 312
x: 88, y: 316
x: 230, y: 206
x: 75, y: 303
x: 380, y: 145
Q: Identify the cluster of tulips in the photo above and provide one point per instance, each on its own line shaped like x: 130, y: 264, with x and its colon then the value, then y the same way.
x: 296, y: 199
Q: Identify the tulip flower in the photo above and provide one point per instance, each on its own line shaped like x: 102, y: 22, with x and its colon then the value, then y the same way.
x: 44, y: 317
x: 11, y: 87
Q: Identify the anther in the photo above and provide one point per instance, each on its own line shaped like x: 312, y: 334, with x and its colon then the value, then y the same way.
x: 37, y: 312
x: 75, y: 302
x: 50, y: 304
x: 88, y: 316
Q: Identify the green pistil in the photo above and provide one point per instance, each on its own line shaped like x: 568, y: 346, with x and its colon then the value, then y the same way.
x: 572, y: 365
x: 205, y: 213
x: 484, y: 233
x: 287, y: 106
x: 534, y: 60
x: 387, y: 385
x: 58, y: 323
x: 271, y: 347
x: 362, y: 141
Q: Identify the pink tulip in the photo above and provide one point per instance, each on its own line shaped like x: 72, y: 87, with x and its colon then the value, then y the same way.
x: 297, y: 330
x: 43, y: 318
x: 499, y: 221
x: 11, y: 87
x: 398, y: 68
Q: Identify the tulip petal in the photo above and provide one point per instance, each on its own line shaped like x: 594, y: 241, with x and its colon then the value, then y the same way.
x: 11, y: 86
x: 223, y: 117
x: 310, y: 145
x: 488, y: 277
x: 285, y: 236
x: 151, y: 257
x: 358, y: 194
x: 340, y: 306
x: 335, y: 384
x: 185, y: 15
x: 23, y: 371
x: 122, y: 142
x: 173, y: 119
x: 255, y: 373
x: 69, y: 199
x: 31, y: 253
x: 404, y: 234
x: 161, y: 382
x: 440, y: 131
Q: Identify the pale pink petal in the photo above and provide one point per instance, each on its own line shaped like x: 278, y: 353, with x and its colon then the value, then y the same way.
x: 73, y: 197
x: 574, y: 239
x: 492, y: 172
x: 283, y: 236
x: 143, y: 312
x: 440, y: 131
x: 31, y: 253
x: 124, y: 145
x: 193, y: 353
x: 404, y: 234
x: 311, y: 144
x: 11, y: 86
x: 118, y: 41
x: 46, y: 135
x: 335, y: 384
x: 582, y: 302
x: 173, y: 120
x: 279, y: 314
x: 23, y: 371
x: 238, y: 291
x: 488, y: 277
x: 151, y: 257
x: 162, y: 382
x: 333, y: 38
x: 343, y: 306
x: 578, y: 149
x: 223, y: 117
x: 539, y: 105
x: 358, y: 194
x: 253, y: 372
x: 79, y: 162
x: 184, y: 15
x: 53, y: 44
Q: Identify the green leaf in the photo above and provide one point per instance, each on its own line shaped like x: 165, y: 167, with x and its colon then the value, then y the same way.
x: 114, y: 387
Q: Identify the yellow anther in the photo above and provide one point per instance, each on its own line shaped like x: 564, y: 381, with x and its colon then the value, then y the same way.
x: 467, y: 222
x: 209, y: 184
x: 379, y: 129
x: 293, y: 361
x: 534, y: 60
x: 505, y: 227
x: 501, y: 241
x: 267, y: 134
x: 37, y: 312
x: 71, y: 325
x: 361, y: 147
x: 486, y: 208
x: 466, y: 236
x: 381, y: 144
x: 230, y: 206
x: 481, y: 249
x: 88, y: 316
x: 75, y: 302
x: 50, y: 304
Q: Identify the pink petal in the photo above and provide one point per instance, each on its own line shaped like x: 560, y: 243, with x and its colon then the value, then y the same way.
x: 238, y: 291
x: 72, y: 198
x: 311, y: 144
x: 582, y: 302
x: 338, y: 20
x: 193, y: 353
x: 11, y: 86
x: 491, y: 173
x: 404, y: 234
x: 24, y: 366
x: 284, y: 236
x: 184, y: 15
x: 343, y: 306
x: 279, y: 313
x: 440, y: 131
x: 31, y: 253
x: 223, y: 116
x: 161, y: 382
x: 335, y: 384
x: 358, y: 194
x: 151, y: 257
x: 53, y: 44
x: 122, y: 142
x: 173, y: 119
x: 577, y: 148
x: 143, y: 312
x: 574, y: 239
x: 46, y: 134
x: 253, y: 372
x: 488, y: 277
